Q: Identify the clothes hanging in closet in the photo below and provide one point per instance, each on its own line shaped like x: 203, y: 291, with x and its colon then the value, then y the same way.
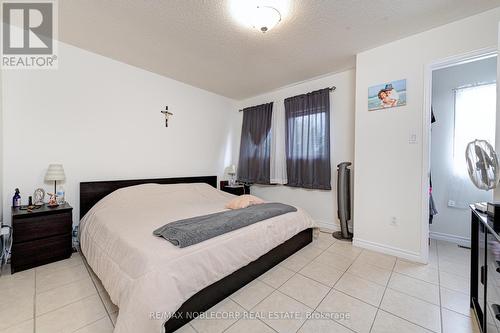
x: 432, y: 205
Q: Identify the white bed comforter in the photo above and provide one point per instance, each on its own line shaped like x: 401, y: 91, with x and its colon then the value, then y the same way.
x: 144, y: 274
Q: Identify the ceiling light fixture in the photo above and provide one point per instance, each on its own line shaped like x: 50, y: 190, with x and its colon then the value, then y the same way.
x: 261, y: 15
x: 265, y: 18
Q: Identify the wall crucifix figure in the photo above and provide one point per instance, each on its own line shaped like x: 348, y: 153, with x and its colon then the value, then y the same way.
x: 167, y: 115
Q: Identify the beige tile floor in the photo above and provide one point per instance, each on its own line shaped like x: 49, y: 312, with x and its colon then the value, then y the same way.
x: 329, y: 286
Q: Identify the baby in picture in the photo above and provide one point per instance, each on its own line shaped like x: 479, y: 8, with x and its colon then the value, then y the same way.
x: 386, y: 101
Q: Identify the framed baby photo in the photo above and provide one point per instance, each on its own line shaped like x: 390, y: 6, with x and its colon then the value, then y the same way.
x: 387, y: 95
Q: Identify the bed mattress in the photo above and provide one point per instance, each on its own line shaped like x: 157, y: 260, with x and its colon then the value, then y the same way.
x: 146, y: 275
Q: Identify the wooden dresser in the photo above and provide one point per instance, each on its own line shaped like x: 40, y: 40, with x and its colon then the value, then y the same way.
x: 40, y: 237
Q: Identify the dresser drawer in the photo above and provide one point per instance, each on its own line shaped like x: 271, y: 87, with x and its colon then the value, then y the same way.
x: 39, y: 252
x: 35, y: 227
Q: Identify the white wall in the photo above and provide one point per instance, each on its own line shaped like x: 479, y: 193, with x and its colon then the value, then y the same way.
x: 389, y: 172
x: 321, y: 205
x: 453, y: 223
x: 101, y: 119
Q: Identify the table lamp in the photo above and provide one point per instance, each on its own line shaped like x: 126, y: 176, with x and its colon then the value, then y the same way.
x: 55, y: 173
x: 231, y: 171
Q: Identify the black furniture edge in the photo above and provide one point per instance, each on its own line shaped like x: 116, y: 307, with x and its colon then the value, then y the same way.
x: 92, y: 192
x: 40, y: 237
x: 216, y: 292
x: 474, y: 264
x: 41, y: 211
x: 485, y: 245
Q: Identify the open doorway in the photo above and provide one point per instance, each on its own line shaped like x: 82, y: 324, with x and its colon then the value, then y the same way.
x: 463, y: 108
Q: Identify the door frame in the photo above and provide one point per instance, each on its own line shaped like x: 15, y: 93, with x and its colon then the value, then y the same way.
x: 450, y: 61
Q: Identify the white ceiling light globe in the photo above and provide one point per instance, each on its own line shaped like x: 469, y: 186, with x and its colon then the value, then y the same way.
x: 262, y: 15
x: 265, y: 18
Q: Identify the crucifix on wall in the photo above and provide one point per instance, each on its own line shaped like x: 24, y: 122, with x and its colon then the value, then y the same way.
x: 167, y: 115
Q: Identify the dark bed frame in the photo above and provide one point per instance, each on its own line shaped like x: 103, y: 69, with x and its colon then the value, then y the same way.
x: 92, y: 192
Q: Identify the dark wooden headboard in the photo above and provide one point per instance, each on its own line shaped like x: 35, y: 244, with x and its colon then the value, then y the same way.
x: 92, y: 192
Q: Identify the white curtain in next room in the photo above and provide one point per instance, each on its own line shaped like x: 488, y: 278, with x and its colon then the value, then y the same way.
x: 475, y: 115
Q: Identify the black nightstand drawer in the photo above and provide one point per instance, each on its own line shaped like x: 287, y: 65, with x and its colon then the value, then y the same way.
x: 36, y: 227
x: 40, y: 236
x: 239, y: 189
x: 40, y: 252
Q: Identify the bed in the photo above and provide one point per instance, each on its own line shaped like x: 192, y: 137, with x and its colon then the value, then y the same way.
x: 157, y: 285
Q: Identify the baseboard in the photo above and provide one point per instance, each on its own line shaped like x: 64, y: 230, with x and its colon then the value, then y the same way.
x: 464, y: 241
x: 393, y: 251
x: 331, y: 227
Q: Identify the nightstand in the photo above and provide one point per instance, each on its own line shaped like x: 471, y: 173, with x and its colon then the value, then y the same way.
x: 238, y: 189
x: 40, y: 237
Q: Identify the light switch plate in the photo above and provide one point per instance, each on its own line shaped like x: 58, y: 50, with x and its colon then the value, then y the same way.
x: 412, y: 139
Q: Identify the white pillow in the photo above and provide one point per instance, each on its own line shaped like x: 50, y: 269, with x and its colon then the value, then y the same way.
x: 244, y: 201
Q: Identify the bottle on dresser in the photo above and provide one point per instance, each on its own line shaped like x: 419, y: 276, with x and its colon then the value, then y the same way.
x: 60, y: 195
x: 16, y: 199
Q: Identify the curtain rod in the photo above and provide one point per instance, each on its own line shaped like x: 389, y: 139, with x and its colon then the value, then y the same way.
x: 332, y: 88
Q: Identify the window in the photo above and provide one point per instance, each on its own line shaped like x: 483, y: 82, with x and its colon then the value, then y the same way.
x: 308, y: 140
x: 475, y: 118
x: 313, y: 123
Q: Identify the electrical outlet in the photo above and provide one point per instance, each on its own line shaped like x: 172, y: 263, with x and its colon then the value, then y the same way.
x: 394, y: 221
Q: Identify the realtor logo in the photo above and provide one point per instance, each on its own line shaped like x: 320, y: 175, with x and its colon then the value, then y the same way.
x: 28, y: 34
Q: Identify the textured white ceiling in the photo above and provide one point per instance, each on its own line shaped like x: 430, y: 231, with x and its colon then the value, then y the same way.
x: 198, y: 42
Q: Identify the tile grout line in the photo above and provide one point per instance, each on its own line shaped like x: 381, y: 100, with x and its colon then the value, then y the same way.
x: 439, y: 280
x: 98, y: 293
x: 274, y: 289
x: 359, y: 276
x: 420, y: 279
x: 277, y: 289
x: 235, y: 301
x: 295, y: 273
x: 35, y: 295
x: 65, y: 283
x: 65, y: 305
x: 402, y: 318
x: 383, y: 295
x: 95, y: 321
x: 392, y: 271
x: 331, y: 288
x: 61, y: 285
x: 406, y: 320
x: 415, y: 297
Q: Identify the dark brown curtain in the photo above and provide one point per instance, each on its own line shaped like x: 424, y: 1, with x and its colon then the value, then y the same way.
x: 308, y: 140
x: 255, y: 147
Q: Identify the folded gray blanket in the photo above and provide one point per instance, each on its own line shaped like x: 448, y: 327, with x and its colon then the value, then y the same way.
x: 197, y: 229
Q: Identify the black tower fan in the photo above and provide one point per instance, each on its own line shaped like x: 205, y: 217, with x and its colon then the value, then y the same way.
x: 343, y: 200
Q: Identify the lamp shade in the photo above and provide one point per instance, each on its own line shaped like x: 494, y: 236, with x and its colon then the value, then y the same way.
x: 231, y: 170
x: 55, y: 172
